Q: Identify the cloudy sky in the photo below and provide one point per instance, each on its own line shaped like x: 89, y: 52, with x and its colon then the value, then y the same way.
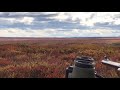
x: 59, y: 24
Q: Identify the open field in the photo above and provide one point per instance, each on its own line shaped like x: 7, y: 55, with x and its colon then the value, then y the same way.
x: 49, y: 57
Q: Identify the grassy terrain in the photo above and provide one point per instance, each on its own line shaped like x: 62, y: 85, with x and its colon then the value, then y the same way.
x: 48, y: 58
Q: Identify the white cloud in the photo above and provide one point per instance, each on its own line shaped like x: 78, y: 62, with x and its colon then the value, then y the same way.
x: 100, y: 19
x: 25, y: 20
x: 26, y: 13
x: 47, y: 13
x: 61, y: 16
x: 89, y: 18
x: 84, y: 18
x: 16, y: 32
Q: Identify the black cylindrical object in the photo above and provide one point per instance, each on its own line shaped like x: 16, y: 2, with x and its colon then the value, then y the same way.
x: 84, y: 67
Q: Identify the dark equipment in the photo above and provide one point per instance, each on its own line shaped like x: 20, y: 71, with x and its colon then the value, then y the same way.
x: 84, y: 67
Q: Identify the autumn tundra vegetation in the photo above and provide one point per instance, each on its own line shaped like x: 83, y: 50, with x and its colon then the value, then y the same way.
x: 49, y: 57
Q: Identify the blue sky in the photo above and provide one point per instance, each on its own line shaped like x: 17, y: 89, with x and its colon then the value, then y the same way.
x: 59, y: 24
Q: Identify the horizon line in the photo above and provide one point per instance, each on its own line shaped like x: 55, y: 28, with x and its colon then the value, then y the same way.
x: 61, y: 37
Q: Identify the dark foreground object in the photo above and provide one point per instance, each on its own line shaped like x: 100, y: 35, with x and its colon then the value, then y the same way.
x: 84, y: 67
